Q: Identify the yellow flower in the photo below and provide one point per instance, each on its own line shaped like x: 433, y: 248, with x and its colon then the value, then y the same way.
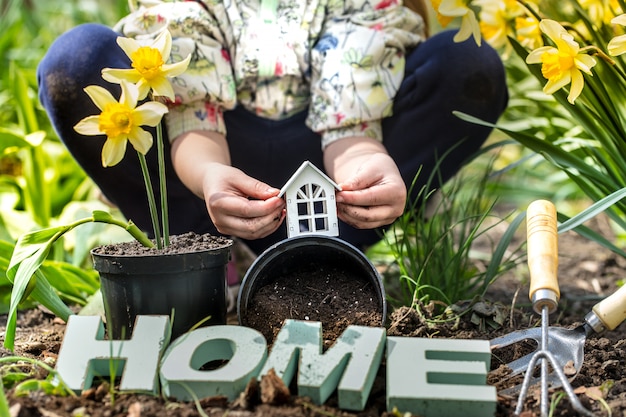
x: 149, y: 68
x: 617, y: 45
x: 528, y: 32
x: 561, y: 65
x: 494, y: 22
x: 469, y: 23
x: 121, y: 121
x: 443, y: 20
x: 600, y: 11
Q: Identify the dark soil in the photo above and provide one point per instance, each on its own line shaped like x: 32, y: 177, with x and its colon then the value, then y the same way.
x: 587, y: 274
x: 332, y: 296
x: 185, y: 243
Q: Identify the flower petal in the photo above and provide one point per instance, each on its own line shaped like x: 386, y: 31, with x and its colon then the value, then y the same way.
x: 149, y: 113
x: 578, y: 82
x: 552, y: 29
x: 163, y: 43
x: 556, y: 84
x: 128, y: 45
x: 617, y: 45
x: 140, y: 139
x: 130, y: 94
x: 475, y: 27
x: 465, y: 31
x: 116, y: 75
x: 619, y: 20
x: 172, y: 70
x: 113, y: 151
x: 585, y: 63
x: 89, y: 126
x: 535, y: 56
x: 100, y: 96
x: 453, y: 8
x: 162, y: 87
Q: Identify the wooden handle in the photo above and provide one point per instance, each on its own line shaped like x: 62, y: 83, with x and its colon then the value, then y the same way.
x: 542, y: 246
x: 612, y: 310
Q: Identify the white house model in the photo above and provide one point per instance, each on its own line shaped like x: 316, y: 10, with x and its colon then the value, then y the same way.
x: 310, y: 199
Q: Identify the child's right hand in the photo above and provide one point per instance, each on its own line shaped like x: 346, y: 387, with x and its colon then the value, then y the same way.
x: 240, y: 205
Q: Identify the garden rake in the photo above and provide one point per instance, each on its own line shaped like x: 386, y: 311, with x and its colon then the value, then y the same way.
x: 567, y: 345
x: 542, y: 246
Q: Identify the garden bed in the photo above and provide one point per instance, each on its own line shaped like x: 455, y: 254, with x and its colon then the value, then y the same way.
x: 587, y: 273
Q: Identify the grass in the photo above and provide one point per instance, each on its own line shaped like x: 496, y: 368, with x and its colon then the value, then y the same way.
x: 433, y: 247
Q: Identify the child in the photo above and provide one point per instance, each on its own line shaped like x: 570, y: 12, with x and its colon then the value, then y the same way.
x: 353, y: 86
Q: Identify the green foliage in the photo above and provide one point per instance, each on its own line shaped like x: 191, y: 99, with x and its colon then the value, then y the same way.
x: 30, y: 277
x: 579, y: 148
x: 433, y: 244
x: 25, y: 375
x: 40, y: 183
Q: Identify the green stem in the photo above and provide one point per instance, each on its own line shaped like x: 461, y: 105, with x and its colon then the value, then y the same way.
x: 151, y: 200
x: 134, y: 231
x: 163, y: 186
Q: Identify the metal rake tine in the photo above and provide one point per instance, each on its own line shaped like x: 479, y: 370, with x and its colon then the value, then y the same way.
x: 519, y: 365
x: 516, y: 337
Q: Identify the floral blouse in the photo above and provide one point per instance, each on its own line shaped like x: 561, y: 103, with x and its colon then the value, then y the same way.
x: 343, y: 61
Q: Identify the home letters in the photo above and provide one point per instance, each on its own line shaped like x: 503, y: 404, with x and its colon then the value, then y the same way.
x: 424, y: 376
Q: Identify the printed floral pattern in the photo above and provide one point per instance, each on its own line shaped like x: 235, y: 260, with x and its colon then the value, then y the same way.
x: 341, y: 60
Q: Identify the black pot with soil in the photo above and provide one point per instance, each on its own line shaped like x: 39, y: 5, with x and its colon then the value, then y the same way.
x: 311, y: 277
x: 186, y: 281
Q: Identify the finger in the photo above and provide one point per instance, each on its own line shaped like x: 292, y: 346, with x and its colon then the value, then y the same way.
x: 250, y: 187
x: 251, y: 228
x: 391, y: 196
x: 367, y: 217
x: 244, y: 207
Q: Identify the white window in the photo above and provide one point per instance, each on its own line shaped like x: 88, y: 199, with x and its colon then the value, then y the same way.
x: 312, y: 209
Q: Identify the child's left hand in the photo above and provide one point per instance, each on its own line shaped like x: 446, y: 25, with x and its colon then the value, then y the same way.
x: 373, y: 192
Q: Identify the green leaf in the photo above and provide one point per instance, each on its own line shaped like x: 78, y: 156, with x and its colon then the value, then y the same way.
x: 70, y: 281
x: 593, y: 210
x: 10, y: 139
x: 4, y: 404
x: 30, y: 252
x: 42, y: 293
x: 102, y: 216
x: 33, y: 248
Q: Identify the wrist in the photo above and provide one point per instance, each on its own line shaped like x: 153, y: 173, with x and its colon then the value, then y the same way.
x: 346, y: 150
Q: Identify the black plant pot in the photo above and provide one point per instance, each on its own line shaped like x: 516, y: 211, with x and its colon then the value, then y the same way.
x: 188, y: 287
x: 294, y: 254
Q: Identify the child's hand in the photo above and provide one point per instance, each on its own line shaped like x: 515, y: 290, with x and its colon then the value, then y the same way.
x: 373, y: 192
x: 240, y: 205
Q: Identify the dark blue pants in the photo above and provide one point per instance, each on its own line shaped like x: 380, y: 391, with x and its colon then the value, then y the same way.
x: 441, y: 76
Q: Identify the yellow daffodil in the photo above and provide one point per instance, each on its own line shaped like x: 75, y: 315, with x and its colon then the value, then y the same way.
x: 443, y: 20
x: 600, y: 11
x: 121, y: 121
x: 495, y: 24
x: 528, y: 32
x: 501, y: 19
x: 617, y: 45
x: 469, y: 22
x: 561, y: 65
x: 149, y: 69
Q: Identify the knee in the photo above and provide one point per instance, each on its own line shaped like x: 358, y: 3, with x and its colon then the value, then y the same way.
x: 480, y: 71
x: 74, y: 60
x: 81, y: 45
x: 470, y: 73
